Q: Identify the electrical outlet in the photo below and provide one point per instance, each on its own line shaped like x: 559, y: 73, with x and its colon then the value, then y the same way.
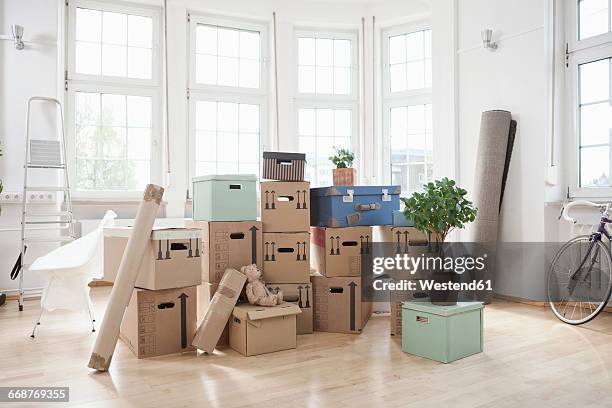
x: 34, y: 197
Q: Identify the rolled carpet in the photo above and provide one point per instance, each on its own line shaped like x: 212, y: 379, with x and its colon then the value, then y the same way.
x: 492, y: 161
x: 497, y: 133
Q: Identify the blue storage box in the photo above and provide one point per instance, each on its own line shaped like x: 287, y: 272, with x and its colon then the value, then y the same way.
x: 400, y: 221
x: 348, y: 206
x: 225, y: 197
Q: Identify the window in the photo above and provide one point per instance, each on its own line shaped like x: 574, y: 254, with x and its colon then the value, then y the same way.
x: 227, y: 56
x: 227, y: 94
x: 411, y: 146
x: 326, y: 99
x: 593, y: 18
x: 227, y: 138
x: 320, y: 130
x: 407, y: 117
x: 112, y: 98
x: 324, y: 66
x: 410, y: 61
x: 589, y: 80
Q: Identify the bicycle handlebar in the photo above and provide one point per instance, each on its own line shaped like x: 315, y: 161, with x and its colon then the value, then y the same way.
x: 603, y: 207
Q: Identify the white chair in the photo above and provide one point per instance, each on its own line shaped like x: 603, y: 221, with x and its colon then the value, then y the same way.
x: 68, y: 270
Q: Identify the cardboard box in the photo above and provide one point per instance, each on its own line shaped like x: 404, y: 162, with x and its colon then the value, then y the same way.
x: 285, y: 206
x: 172, y: 259
x: 402, y: 237
x: 206, y: 292
x: 227, y: 244
x: 257, y: 329
x: 286, y: 257
x: 299, y: 294
x: 283, y: 166
x: 337, y: 305
x: 159, y: 322
x: 337, y: 251
x: 219, y: 311
x: 395, y: 304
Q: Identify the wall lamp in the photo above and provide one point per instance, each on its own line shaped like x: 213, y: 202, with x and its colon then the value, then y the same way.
x: 487, y: 35
x: 17, y: 32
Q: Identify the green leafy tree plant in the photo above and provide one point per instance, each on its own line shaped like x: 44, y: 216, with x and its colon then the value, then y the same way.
x: 343, y: 159
x: 440, y: 208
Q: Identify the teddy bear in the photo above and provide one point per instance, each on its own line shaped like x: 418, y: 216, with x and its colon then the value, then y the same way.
x: 256, y: 290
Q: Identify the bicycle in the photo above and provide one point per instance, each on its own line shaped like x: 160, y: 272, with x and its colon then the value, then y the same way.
x: 580, y: 275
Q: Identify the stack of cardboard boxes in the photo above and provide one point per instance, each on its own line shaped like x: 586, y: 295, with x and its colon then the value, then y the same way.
x: 342, y: 218
x: 406, y: 239
x: 161, y: 316
x: 225, y: 210
x: 285, y: 216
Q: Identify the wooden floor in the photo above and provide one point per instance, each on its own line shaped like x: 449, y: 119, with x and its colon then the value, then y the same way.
x: 530, y: 360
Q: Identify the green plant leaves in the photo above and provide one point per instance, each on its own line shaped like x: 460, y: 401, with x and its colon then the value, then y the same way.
x: 441, y: 207
x: 343, y: 159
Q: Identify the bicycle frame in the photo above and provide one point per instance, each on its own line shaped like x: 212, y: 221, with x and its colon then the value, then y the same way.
x: 596, y: 236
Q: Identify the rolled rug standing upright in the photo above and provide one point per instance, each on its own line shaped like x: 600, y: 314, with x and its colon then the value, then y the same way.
x: 497, y: 132
x: 126, y: 278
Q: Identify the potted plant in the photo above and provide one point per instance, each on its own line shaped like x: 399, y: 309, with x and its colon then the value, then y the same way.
x: 436, y: 211
x: 344, y: 174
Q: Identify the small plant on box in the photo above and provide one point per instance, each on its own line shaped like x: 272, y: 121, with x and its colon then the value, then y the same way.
x: 343, y: 159
x: 344, y: 174
x: 439, y: 209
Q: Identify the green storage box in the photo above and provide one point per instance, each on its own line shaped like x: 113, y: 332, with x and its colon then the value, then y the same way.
x: 225, y: 197
x: 442, y: 333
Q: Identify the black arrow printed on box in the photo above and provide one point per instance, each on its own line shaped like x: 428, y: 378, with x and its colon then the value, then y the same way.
x: 254, y: 230
x: 183, y: 298
x: 352, y: 305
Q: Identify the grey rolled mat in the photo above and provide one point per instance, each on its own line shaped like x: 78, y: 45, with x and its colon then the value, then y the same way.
x: 492, y: 161
x: 497, y: 133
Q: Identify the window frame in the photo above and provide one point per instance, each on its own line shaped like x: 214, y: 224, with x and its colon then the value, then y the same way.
x: 123, y: 8
x: 581, y: 52
x: 224, y: 97
x: 390, y: 99
x: 349, y: 35
x: 220, y: 93
x: 196, y: 19
x: 352, y: 106
x: 116, y: 85
x: 304, y: 100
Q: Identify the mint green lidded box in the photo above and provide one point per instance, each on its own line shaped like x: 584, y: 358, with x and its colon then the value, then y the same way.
x: 225, y: 197
x: 442, y: 333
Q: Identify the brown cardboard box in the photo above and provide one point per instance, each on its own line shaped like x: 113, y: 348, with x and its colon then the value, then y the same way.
x: 299, y: 294
x: 206, y: 292
x: 219, y: 311
x: 158, y: 322
x: 337, y: 304
x: 402, y: 237
x: 337, y: 251
x: 395, y: 305
x: 286, y: 257
x: 285, y: 206
x: 170, y: 261
x: 228, y: 244
x: 257, y: 329
x: 395, y: 318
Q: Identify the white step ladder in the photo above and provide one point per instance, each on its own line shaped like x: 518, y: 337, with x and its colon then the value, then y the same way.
x: 46, y: 155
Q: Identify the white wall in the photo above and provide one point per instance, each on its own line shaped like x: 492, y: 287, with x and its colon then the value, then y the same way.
x: 32, y: 71
x: 515, y: 78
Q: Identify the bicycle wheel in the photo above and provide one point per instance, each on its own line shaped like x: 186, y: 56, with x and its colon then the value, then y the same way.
x: 580, y: 280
